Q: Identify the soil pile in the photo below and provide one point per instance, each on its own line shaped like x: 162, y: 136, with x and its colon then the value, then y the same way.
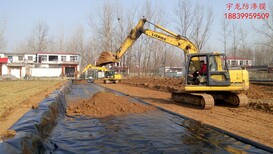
x: 105, y: 58
x: 260, y: 90
x: 158, y: 83
x: 103, y: 104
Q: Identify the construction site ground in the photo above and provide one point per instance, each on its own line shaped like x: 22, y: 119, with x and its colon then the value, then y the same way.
x: 253, y: 122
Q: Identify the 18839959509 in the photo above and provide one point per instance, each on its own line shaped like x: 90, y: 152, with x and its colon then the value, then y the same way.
x: 246, y: 15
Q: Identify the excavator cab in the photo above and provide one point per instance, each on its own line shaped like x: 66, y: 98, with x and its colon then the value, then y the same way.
x: 112, y: 77
x: 217, y: 82
x: 214, y: 73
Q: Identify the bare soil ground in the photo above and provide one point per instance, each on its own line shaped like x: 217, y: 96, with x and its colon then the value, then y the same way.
x: 104, y: 104
x: 251, y: 122
x: 260, y: 94
x: 18, y: 97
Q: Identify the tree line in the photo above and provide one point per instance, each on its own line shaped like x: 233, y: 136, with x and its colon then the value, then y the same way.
x: 109, y: 25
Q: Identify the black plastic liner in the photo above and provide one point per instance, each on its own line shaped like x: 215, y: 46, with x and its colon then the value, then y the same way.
x: 48, y: 130
x: 36, y: 125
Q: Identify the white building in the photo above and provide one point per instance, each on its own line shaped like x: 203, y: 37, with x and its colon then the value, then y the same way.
x: 41, y: 64
x: 15, y: 65
x: 171, y: 71
x: 236, y: 61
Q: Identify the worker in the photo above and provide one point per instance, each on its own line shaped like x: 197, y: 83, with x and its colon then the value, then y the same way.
x: 197, y: 73
x: 203, y: 70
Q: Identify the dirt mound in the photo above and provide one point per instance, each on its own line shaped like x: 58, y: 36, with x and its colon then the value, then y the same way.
x: 103, y: 104
x: 158, y: 83
x: 105, y: 58
x: 261, y: 96
x: 260, y: 91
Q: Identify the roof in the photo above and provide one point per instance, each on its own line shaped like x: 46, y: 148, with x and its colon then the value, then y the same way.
x: 34, y: 53
x: 58, y: 53
x: 3, y: 60
x: 13, y: 54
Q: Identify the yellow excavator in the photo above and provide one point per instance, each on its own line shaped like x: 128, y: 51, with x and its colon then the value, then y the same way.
x: 218, y: 82
x: 110, y: 76
x: 94, y: 68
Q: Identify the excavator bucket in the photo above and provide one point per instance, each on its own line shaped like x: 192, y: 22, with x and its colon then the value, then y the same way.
x: 106, y: 58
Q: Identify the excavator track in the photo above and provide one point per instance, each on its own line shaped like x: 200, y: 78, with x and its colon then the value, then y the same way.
x: 205, y: 101
x: 239, y: 100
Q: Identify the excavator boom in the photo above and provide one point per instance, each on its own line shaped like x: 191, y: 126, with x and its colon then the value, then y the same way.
x: 173, y: 39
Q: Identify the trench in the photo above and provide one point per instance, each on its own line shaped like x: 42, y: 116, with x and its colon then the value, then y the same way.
x: 49, y: 129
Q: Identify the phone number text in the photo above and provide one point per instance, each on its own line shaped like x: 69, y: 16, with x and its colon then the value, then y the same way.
x: 246, y: 15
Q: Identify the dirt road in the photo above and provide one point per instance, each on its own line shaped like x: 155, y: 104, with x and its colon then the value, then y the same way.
x: 253, y: 124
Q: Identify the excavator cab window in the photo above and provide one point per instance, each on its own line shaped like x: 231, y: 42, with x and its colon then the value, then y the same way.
x: 109, y: 74
x: 208, y: 69
x: 197, y: 70
x: 218, y: 74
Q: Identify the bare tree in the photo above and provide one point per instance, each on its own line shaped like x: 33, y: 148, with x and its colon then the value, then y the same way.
x: 76, y: 43
x: 123, y: 27
x: 183, y: 14
x: 148, y: 12
x: 103, y: 27
x: 158, y: 47
x: 130, y: 16
x: 234, y: 36
x: 39, y: 41
x: 225, y: 34
x: 60, y: 41
x: 194, y: 22
x: 266, y: 30
x: 201, y: 26
x: 2, y: 32
x: 261, y: 55
x: 244, y: 51
x: 141, y: 47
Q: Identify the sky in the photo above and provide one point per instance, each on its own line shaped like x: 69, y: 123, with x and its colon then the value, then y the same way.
x: 20, y: 16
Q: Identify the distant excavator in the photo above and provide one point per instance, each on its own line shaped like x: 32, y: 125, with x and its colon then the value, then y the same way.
x: 110, y: 76
x: 218, y: 82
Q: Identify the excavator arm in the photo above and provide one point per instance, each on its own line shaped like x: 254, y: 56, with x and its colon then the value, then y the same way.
x: 171, y: 38
x: 94, y: 68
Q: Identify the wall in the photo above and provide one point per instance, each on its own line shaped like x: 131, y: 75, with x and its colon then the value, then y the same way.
x: 15, y: 71
x: 45, y: 72
x: 4, y: 69
x: 33, y: 58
